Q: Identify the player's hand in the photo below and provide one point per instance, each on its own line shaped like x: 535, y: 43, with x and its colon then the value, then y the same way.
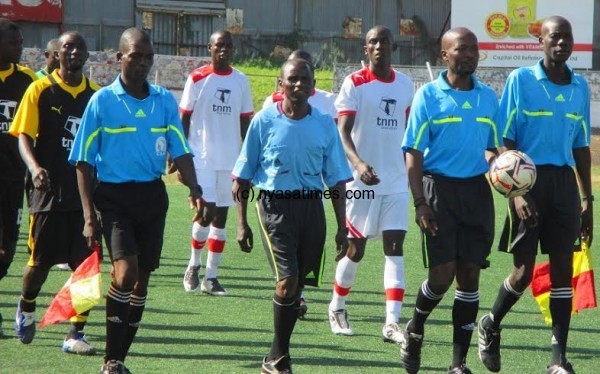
x: 367, y: 174
x: 245, y: 238
x: 40, y: 179
x: 171, y: 168
x: 587, y: 221
x: 341, y: 243
x: 196, y: 202
x: 425, y: 218
x: 526, y: 210
x: 91, y: 232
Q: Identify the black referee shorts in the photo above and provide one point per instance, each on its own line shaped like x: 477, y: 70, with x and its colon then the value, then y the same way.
x: 556, y: 197
x: 133, y: 219
x: 464, y: 210
x: 293, y: 234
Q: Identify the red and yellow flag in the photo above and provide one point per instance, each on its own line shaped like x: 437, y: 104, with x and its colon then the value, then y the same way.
x: 584, y: 290
x: 81, y: 293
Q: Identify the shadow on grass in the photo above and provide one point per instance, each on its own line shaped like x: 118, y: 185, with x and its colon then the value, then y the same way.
x: 252, y: 362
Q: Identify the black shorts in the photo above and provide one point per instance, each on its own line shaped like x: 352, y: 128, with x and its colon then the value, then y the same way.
x: 464, y: 210
x: 133, y: 220
x: 11, y: 208
x: 556, y: 197
x: 293, y: 234
x: 56, y: 238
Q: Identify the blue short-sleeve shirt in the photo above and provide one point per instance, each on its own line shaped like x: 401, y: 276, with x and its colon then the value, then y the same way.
x: 281, y: 154
x: 453, y: 128
x: 128, y: 139
x: 546, y: 120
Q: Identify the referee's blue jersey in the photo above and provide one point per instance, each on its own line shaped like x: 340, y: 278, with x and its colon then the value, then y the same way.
x: 128, y: 139
x: 282, y: 154
x: 453, y: 128
x: 546, y: 120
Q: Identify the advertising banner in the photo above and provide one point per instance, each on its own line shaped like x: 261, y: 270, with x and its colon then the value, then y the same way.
x: 508, y: 30
x: 32, y: 10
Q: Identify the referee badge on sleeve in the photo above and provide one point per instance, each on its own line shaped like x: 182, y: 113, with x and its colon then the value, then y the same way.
x: 161, y: 146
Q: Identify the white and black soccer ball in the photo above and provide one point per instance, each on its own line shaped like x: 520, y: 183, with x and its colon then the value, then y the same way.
x: 513, y: 173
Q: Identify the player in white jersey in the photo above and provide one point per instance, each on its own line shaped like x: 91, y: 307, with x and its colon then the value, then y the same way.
x: 373, y: 105
x: 216, y: 108
x: 322, y: 100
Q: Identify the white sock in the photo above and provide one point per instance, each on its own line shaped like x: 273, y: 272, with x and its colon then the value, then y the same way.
x: 345, y: 273
x: 199, y: 236
x: 216, y: 244
x: 393, y: 282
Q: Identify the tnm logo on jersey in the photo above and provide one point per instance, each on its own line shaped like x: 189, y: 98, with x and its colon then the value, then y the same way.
x: 7, y: 112
x: 71, y: 127
x: 387, y: 106
x: 223, y: 95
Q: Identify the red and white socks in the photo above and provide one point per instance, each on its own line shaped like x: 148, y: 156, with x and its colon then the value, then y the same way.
x: 216, y: 244
x: 345, y: 273
x: 394, y: 284
x: 199, y: 237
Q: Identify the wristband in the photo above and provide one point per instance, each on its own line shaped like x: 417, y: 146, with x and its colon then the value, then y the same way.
x: 588, y: 198
x: 199, y: 188
x: 420, y: 201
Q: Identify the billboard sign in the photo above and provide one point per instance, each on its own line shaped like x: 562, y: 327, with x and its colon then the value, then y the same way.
x: 508, y: 30
x: 32, y: 10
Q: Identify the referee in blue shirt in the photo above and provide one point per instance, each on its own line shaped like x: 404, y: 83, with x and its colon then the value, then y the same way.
x: 289, y: 150
x: 126, y: 132
x: 450, y: 138
x: 545, y: 110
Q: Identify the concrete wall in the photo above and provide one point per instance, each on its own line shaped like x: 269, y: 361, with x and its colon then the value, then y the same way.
x: 172, y: 71
x: 493, y: 77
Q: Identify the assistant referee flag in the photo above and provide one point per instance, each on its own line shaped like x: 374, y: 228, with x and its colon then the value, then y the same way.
x: 81, y: 293
x: 584, y: 290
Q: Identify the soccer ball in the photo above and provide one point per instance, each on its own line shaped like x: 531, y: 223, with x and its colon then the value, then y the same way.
x: 513, y: 173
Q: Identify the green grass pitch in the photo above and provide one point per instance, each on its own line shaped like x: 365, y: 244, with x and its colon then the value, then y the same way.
x: 195, y: 333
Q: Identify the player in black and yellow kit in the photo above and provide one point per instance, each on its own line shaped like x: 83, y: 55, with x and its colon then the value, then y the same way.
x: 46, y: 124
x: 14, y: 80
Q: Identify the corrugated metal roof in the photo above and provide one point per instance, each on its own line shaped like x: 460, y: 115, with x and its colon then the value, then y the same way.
x: 210, y: 7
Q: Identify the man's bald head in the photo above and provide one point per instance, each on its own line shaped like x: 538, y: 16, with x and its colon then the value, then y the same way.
x: 297, y: 62
x: 552, y: 21
x: 131, y: 36
x: 450, y: 36
x: 219, y: 34
x: 379, y: 30
x: 302, y: 55
x: 52, y: 45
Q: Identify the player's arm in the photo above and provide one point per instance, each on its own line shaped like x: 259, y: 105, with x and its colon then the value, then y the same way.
x: 85, y: 184
x: 424, y: 216
x: 39, y: 175
x: 185, y: 123
x: 524, y: 205
x: 583, y: 163
x: 185, y: 168
x: 241, y: 192
x: 366, y: 172
x: 338, y: 201
x: 244, y: 124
